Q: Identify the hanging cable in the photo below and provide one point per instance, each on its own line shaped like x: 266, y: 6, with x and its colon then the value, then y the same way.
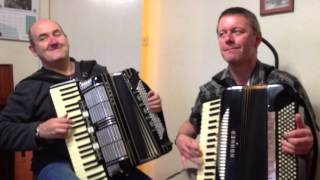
x: 274, y: 52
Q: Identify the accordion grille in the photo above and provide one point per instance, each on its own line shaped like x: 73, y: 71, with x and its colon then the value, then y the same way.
x: 287, y: 164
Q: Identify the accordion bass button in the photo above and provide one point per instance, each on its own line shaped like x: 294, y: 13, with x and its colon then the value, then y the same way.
x: 95, y: 146
x: 85, y: 114
x: 90, y: 130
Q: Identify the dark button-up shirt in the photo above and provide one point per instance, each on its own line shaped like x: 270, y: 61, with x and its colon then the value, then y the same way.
x: 262, y: 74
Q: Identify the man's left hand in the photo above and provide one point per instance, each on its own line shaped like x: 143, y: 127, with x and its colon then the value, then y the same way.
x: 154, y: 102
x: 298, y: 141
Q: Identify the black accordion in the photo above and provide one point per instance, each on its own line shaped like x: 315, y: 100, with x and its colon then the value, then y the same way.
x: 241, y: 134
x: 113, y: 129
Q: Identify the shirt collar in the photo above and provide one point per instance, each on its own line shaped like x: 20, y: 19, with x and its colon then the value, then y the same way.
x: 257, y: 75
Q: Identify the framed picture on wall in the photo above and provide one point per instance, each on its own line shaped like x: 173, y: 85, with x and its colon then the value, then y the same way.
x: 268, y: 7
x: 16, y: 16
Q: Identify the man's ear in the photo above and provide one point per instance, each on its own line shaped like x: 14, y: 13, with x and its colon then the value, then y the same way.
x: 33, y: 51
x: 258, y: 39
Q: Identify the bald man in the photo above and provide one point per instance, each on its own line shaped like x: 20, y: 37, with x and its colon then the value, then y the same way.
x: 29, y: 120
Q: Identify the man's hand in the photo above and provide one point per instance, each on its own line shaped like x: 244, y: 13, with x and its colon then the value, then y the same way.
x: 189, y: 150
x: 154, y: 102
x: 298, y: 141
x: 55, y: 128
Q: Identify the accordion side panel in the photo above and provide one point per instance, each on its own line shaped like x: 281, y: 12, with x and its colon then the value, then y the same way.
x: 148, y: 132
x: 132, y: 121
x: 283, y: 106
x: 154, y: 121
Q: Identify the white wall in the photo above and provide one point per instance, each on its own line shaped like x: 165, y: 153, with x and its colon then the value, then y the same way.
x: 185, y: 49
x: 183, y: 44
x: 17, y: 53
x: 108, y: 31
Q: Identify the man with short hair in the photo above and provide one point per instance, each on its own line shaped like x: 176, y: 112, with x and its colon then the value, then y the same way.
x: 29, y: 121
x: 239, y: 36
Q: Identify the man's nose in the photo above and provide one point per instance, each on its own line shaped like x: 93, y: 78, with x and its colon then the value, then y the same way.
x: 229, y: 38
x: 53, y: 40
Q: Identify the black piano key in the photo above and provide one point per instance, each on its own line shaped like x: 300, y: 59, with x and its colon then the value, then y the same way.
x: 213, y: 121
x: 95, y: 174
x: 77, y: 126
x: 213, y: 114
x: 101, y: 178
x: 89, y: 162
x: 214, y: 108
x: 209, y: 174
x: 210, y: 153
x: 85, y: 145
x: 72, y: 104
x: 70, y: 92
x: 210, y: 167
x: 74, y: 109
x: 212, y: 127
x: 87, y: 155
x: 91, y: 167
x: 67, y: 88
x: 86, y: 150
x: 212, y: 134
x: 76, y: 116
x: 209, y: 160
x: 79, y: 133
x: 211, y: 140
x: 81, y: 138
x: 71, y: 97
x: 211, y: 146
x: 77, y: 121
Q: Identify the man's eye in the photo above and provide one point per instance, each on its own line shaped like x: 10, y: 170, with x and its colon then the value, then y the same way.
x: 42, y: 38
x: 57, y: 33
x: 238, y: 31
x: 220, y: 34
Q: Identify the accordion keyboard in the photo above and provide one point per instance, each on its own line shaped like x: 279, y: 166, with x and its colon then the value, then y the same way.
x: 81, y: 149
x: 209, y: 140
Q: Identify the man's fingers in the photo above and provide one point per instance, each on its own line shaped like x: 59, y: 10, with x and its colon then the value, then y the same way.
x: 299, y: 121
x: 184, y: 162
x: 194, y: 149
x: 298, y: 149
x: 196, y: 160
x: 298, y: 133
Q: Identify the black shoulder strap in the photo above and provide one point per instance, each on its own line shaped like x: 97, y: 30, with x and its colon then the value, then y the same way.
x: 269, y: 69
x: 86, y: 68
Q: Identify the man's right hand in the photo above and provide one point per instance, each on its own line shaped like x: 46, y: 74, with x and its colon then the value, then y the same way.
x: 55, y: 128
x: 189, y: 150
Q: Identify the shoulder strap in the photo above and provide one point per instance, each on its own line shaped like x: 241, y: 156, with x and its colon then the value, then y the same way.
x: 86, y: 68
x: 269, y: 69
